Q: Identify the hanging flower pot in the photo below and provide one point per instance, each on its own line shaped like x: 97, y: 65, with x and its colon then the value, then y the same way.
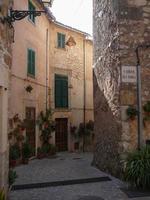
x: 29, y: 88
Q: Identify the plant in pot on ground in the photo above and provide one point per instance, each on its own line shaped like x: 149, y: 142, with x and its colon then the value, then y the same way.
x: 146, y: 109
x: 47, y: 127
x: 137, y: 169
x: 131, y: 112
x: 26, y: 152
x: 85, y: 133
x: 14, y: 155
x: 12, y: 177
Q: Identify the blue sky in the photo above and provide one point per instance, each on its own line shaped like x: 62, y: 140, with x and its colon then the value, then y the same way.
x: 75, y: 13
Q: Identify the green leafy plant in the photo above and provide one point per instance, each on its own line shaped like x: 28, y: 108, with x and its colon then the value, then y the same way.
x: 146, y: 107
x: 14, y: 152
x: 137, y: 168
x: 2, y: 194
x: 131, y: 112
x: 26, y: 150
x: 12, y: 177
x: 29, y: 88
x: 17, y: 127
x: 46, y: 126
x: 46, y: 150
x: 87, y: 129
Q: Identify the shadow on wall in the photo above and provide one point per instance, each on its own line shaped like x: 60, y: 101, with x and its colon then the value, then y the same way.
x: 107, y: 135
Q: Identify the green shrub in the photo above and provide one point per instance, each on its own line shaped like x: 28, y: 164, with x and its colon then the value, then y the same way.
x: 26, y: 150
x: 137, y: 168
x: 146, y: 107
x: 2, y: 194
x: 131, y: 112
x: 12, y: 177
x: 14, y: 152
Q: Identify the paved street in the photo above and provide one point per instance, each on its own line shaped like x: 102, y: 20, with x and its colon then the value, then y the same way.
x: 66, y: 167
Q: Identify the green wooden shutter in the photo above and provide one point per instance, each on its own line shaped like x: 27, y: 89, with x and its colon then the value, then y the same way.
x: 61, y: 91
x: 63, y: 41
x: 58, y: 39
x: 65, y: 92
x: 32, y: 8
x: 31, y: 62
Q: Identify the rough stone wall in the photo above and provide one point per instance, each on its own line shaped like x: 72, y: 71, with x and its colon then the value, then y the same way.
x: 134, y: 29
x: 119, y: 26
x: 106, y: 87
x: 5, y: 65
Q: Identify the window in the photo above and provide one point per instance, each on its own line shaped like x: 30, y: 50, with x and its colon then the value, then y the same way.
x: 61, y: 91
x: 31, y: 62
x: 31, y: 7
x: 60, y: 40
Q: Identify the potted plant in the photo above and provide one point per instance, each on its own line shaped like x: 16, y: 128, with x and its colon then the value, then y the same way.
x: 12, y: 177
x: 26, y: 152
x: 29, y: 88
x: 131, y: 112
x: 14, y: 155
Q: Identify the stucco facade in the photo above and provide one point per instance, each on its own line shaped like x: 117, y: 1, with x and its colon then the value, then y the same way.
x: 75, y: 62
x: 5, y: 67
x: 42, y: 38
x: 119, y: 27
x: 29, y: 35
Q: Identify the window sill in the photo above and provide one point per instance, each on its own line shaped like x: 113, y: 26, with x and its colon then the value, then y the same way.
x: 62, y: 109
x: 64, y: 49
x: 31, y: 76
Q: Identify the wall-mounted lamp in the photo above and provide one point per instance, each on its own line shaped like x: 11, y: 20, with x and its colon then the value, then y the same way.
x: 14, y: 15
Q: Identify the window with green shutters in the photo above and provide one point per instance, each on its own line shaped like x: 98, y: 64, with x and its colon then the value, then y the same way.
x: 61, y: 91
x: 31, y: 7
x: 31, y: 62
x: 61, y: 40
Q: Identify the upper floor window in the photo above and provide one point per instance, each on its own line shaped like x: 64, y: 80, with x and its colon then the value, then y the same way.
x: 61, y: 91
x: 31, y: 63
x: 31, y: 7
x: 61, y: 40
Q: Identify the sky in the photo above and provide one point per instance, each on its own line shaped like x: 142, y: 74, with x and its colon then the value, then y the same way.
x: 74, y: 13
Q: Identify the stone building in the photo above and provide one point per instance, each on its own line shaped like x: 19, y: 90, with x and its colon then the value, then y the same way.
x: 73, y: 103
x: 5, y: 67
x: 40, y: 54
x: 119, y: 27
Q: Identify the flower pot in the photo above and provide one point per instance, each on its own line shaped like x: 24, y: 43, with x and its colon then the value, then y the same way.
x: 12, y: 163
x: 25, y: 161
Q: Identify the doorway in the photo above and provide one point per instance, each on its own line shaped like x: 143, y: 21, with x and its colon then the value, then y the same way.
x: 61, y: 134
x: 30, y: 130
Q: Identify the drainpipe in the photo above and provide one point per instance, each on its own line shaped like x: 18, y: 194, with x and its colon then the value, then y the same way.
x: 46, y: 68
x: 84, y: 93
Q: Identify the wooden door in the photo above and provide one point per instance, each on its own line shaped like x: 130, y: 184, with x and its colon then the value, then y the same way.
x: 61, y: 134
x: 30, y: 130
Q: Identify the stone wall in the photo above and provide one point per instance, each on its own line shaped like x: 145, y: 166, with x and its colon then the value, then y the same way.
x: 119, y: 26
x: 5, y: 65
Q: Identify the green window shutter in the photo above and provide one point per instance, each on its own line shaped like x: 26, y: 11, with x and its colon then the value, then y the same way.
x: 63, y: 41
x: 58, y: 39
x: 31, y: 62
x: 61, y: 91
x: 32, y: 8
x: 58, y: 93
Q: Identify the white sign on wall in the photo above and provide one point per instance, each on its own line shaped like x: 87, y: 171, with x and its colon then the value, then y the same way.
x: 128, y: 74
